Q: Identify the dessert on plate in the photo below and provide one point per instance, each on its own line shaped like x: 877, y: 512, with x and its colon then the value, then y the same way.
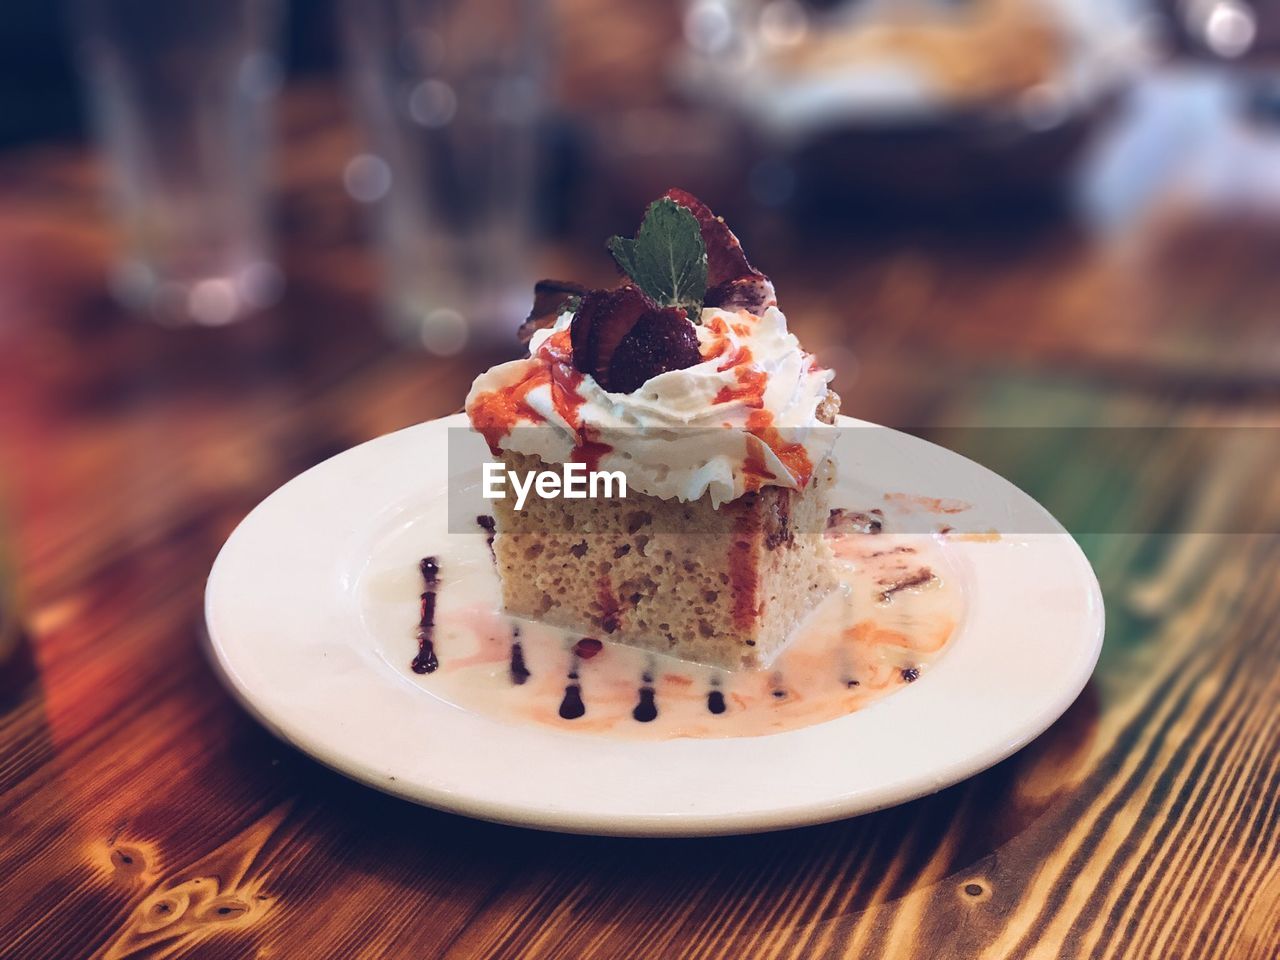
x: 685, y: 378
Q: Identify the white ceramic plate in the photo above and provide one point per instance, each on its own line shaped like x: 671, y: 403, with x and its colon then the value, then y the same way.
x: 321, y: 658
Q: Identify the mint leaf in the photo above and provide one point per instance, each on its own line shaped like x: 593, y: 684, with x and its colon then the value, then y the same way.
x: 667, y: 259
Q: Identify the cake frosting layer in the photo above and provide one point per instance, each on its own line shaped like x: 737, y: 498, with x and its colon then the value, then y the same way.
x: 746, y: 416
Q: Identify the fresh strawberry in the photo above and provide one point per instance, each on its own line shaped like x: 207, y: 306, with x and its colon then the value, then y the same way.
x: 602, y: 320
x: 622, y: 339
x: 661, y: 340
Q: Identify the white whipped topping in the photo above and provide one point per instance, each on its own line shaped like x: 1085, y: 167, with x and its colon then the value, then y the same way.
x: 671, y: 437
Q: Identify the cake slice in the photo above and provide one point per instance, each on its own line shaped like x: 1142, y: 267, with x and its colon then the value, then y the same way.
x: 722, y: 428
x: 723, y: 586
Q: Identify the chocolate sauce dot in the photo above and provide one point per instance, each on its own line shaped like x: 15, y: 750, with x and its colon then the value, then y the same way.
x: 715, y: 702
x: 518, y: 671
x: 572, y: 707
x: 426, y: 660
x: 779, y: 694
x: 646, y: 710
x: 851, y: 683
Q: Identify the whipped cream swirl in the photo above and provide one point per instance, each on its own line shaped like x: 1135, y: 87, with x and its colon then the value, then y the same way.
x: 745, y: 417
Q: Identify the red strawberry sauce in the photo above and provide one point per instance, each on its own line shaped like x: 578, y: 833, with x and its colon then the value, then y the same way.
x: 495, y: 413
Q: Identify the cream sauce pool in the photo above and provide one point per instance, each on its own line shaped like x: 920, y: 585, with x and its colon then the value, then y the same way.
x: 898, y: 605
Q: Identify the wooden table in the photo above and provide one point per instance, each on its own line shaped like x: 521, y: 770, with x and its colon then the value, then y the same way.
x: 143, y: 813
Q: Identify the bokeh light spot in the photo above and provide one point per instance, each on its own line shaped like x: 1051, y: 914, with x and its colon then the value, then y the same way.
x: 367, y: 177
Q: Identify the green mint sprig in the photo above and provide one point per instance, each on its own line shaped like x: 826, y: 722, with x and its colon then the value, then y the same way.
x: 667, y: 259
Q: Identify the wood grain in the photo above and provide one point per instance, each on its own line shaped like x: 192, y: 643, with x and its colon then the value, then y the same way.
x: 143, y: 814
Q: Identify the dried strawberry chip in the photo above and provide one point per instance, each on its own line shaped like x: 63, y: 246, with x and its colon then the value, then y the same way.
x: 549, y: 299
x: 603, y: 319
x: 752, y: 293
x: 661, y: 340
x: 580, y: 329
x: 725, y: 259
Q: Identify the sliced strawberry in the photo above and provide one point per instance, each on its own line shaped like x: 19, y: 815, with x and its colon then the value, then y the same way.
x: 661, y: 340
x: 751, y: 293
x: 549, y: 300
x: 725, y: 259
x: 602, y: 321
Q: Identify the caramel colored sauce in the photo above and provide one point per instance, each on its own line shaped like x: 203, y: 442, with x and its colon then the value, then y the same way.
x: 927, y: 504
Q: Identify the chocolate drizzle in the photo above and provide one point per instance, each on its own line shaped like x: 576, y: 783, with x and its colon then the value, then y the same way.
x: 489, y: 526
x: 646, y: 710
x: 572, y: 707
x: 777, y: 689
x: 518, y: 672
x: 846, y: 670
x: 426, y: 661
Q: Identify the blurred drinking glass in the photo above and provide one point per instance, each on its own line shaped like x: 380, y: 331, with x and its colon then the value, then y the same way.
x: 181, y: 93
x: 10, y: 632
x: 451, y: 93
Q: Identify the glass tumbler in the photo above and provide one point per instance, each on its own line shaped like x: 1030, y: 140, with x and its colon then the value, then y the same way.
x: 451, y: 94
x: 181, y: 94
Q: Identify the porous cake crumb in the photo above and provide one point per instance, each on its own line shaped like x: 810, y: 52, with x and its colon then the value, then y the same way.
x: 721, y: 586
